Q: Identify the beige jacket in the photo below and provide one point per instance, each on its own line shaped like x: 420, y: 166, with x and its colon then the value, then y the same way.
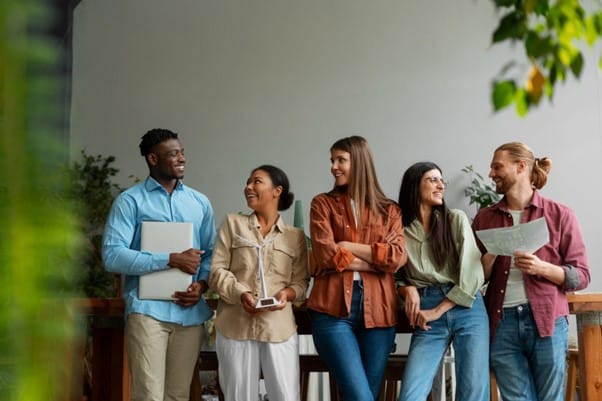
x: 234, y: 270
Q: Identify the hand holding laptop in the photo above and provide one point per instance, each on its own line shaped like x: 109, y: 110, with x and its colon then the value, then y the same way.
x: 187, y: 261
x: 191, y: 296
x: 175, y: 239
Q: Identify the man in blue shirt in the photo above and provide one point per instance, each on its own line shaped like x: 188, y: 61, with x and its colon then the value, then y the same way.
x: 163, y: 338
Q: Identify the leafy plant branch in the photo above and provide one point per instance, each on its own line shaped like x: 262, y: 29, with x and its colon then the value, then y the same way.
x: 550, y: 33
x: 479, y: 192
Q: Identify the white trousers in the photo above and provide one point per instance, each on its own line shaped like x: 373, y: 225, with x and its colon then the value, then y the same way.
x: 242, y: 362
x: 162, y: 357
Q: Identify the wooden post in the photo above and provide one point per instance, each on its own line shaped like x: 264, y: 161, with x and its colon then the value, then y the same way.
x: 588, y: 309
x: 110, y: 373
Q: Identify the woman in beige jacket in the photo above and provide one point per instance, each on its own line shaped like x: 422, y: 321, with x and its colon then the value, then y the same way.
x: 259, y: 268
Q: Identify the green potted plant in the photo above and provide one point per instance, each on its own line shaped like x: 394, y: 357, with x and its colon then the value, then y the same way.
x: 92, y: 190
x: 479, y: 192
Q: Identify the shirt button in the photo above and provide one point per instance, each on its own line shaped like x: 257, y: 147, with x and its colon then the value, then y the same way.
x: 506, y: 272
x: 499, y: 311
x: 502, y: 291
x: 347, y: 291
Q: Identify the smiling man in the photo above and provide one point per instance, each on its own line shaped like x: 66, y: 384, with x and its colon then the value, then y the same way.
x: 163, y: 337
x: 525, y: 299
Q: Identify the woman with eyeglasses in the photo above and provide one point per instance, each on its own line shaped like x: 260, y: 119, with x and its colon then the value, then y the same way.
x: 441, y: 287
x: 357, y: 240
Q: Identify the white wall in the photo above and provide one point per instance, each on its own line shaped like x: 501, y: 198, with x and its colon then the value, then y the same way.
x: 278, y: 81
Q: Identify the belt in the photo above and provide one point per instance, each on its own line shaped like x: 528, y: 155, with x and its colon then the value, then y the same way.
x: 518, y: 308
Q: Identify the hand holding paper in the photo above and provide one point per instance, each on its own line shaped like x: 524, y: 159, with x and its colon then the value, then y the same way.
x: 527, y: 237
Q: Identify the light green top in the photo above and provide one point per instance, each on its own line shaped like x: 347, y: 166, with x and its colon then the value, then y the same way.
x: 420, y: 270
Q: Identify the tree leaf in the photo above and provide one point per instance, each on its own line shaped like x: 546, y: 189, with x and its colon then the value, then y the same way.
x: 553, y: 74
x: 549, y: 89
x: 542, y: 7
x: 564, y: 56
x: 503, y: 94
x: 512, y: 26
x: 505, y: 3
x: 591, y: 31
x: 536, y: 46
x: 529, y: 6
x: 577, y: 64
x: 521, y: 99
x: 598, y: 22
x: 535, y: 83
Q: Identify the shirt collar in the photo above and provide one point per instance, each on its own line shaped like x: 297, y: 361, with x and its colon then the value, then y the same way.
x: 152, y: 185
x: 535, y: 202
x: 254, y: 223
x: 415, y: 230
x: 338, y: 193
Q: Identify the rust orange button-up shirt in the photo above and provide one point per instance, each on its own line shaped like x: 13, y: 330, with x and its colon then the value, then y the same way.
x: 332, y: 221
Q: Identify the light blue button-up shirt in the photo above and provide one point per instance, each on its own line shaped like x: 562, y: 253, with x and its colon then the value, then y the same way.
x: 149, y: 201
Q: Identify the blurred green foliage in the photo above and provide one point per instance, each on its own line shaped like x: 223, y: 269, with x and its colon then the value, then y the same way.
x: 38, y: 232
x: 550, y: 32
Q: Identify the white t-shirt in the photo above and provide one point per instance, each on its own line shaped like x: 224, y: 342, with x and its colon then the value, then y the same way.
x: 515, y: 288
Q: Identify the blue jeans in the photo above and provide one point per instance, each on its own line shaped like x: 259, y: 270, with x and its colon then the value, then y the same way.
x: 356, y: 356
x: 468, y: 330
x: 529, y: 367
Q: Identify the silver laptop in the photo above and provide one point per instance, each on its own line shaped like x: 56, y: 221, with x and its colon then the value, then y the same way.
x: 164, y: 237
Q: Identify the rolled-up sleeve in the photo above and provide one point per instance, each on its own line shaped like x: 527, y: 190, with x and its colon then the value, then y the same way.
x: 389, y: 256
x: 573, y: 252
x: 469, y: 262
x: 327, y: 254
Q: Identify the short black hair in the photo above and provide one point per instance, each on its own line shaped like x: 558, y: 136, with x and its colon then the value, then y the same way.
x: 154, y: 137
x: 279, y: 178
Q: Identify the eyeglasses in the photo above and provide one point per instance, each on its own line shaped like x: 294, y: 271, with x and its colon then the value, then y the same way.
x: 436, y: 180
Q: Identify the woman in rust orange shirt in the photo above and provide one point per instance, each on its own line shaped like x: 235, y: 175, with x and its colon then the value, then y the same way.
x: 358, y: 245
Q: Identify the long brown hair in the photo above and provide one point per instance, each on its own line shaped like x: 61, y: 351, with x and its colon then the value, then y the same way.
x: 441, y: 242
x: 363, y: 187
x: 540, y: 167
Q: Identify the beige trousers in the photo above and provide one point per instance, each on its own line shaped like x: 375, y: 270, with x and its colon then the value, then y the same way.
x: 162, y: 357
x: 241, y: 362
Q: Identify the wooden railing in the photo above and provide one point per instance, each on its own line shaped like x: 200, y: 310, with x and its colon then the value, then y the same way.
x: 588, y: 309
x: 110, y: 377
